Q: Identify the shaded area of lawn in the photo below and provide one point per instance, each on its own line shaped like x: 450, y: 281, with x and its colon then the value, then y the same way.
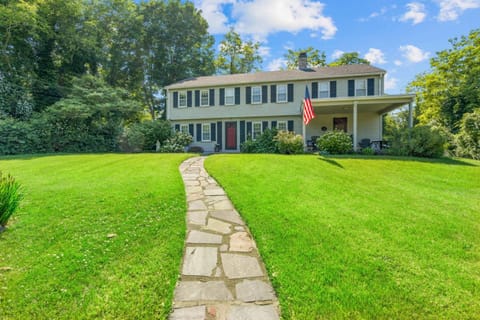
x: 97, y: 236
x: 362, y: 238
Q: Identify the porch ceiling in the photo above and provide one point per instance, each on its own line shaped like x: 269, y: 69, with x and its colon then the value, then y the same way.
x: 378, y: 104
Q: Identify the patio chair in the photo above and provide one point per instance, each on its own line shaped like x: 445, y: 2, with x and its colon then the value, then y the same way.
x: 364, y: 143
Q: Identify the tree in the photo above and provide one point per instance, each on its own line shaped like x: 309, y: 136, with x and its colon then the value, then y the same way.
x: 237, y: 56
x: 452, y: 88
x: 349, y: 58
x: 315, y: 58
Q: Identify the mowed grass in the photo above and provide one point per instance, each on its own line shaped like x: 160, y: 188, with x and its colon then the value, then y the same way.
x: 96, y: 237
x: 362, y: 238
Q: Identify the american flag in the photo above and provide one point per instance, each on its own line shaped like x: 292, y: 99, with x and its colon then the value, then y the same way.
x: 308, y: 113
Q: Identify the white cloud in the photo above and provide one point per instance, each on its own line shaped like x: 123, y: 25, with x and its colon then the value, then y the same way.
x: 397, y: 62
x: 390, y: 83
x: 375, y: 56
x: 451, y: 9
x: 277, y: 64
x: 337, y: 54
x: 264, y: 51
x: 414, y: 54
x: 374, y: 14
x: 416, y: 13
x: 212, y: 11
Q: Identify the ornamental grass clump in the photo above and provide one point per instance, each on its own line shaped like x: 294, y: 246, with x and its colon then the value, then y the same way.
x: 9, y: 197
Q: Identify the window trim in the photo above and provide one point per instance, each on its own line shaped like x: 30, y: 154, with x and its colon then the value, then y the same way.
x: 283, y: 122
x: 253, y: 129
x: 286, y: 93
x: 232, y: 96
x: 201, y: 98
x: 364, y: 81
x: 209, y: 130
x: 327, y: 83
x: 180, y: 93
x: 184, y: 125
x: 259, y: 95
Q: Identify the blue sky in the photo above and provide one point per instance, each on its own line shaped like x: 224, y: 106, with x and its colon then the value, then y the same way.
x: 398, y: 36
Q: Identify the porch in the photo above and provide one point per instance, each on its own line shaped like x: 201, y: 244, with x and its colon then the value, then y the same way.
x: 361, y: 117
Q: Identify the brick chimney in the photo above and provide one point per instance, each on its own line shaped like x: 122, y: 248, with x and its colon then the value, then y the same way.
x: 302, y: 61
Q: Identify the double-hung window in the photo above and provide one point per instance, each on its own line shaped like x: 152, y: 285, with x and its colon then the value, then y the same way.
x: 282, y: 93
x: 182, y: 99
x: 324, y: 89
x: 204, y: 101
x: 282, y: 125
x: 360, y: 87
x: 229, y: 96
x: 206, y: 136
x: 256, y: 95
x: 257, y: 130
x: 184, y: 128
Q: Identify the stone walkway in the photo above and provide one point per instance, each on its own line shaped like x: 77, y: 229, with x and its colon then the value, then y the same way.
x: 222, y: 275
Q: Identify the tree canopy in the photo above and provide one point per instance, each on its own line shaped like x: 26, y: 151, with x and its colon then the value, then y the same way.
x: 237, y: 56
x: 349, y: 58
x: 315, y: 58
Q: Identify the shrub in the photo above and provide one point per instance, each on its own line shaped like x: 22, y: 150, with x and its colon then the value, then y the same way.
x: 467, y: 141
x: 143, y: 136
x: 420, y: 141
x: 9, y: 197
x: 264, y: 144
x: 289, y: 142
x: 177, y: 143
x: 249, y: 146
x: 368, y: 151
x: 335, y: 142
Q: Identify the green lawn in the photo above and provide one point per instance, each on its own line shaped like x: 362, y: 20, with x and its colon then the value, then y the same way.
x: 362, y: 238
x: 56, y: 261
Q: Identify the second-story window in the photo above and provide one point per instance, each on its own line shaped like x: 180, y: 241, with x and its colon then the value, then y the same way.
x: 182, y: 99
x: 324, y: 89
x: 229, y: 96
x: 256, y: 95
x: 282, y: 93
x: 204, y: 94
x: 360, y: 87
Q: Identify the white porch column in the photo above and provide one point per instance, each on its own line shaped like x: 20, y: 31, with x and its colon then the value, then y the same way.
x: 355, y: 126
x: 304, y: 133
x: 410, y: 115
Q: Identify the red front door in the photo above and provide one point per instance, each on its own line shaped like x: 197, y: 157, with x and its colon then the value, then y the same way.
x: 231, y: 135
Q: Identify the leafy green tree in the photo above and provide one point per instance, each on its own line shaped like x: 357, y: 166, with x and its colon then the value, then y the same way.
x: 452, y: 87
x: 468, y: 139
x: 349, y: 58
x: 315, y: 58
x: 237, y: 55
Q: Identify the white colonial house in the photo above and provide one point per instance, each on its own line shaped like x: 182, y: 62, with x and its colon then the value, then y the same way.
x: 221, y: 112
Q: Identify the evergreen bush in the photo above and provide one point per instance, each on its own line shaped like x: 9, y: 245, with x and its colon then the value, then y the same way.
x: 467, y: 141
x: 10, y: 197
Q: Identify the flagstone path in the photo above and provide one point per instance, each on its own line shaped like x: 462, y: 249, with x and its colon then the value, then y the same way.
x: 222, y: 275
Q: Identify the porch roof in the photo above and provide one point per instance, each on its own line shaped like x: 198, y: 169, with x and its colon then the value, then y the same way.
x: 378, y: 104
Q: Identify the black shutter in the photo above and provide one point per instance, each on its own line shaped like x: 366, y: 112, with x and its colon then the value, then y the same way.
x: 370, y: 87
x: 199, y: 132
x: 264, y: 125
x: 290, y: 92
x: 351, y: 88
x: 219, y: 134
x: 175, y: 99
x: 242, y: 131
x: 197, y: 98
x: 177, y: 127
x: 314, y: 90
x: 237, y: 95
x: 273, y: 93
x: 290, y: 125
x: 248, y: 95
x: 249, y: 130
x: 213, y: 132
x: 274, y: 124
x: 191, y: 129
x: 333, y: 89
x: 264, y: 94
x: 189, y: 98
x: 212, y: 97
x: 222, y: 96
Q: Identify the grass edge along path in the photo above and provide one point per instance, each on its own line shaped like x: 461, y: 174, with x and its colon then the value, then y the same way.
x: 362, y: 238
x: 97, y: 236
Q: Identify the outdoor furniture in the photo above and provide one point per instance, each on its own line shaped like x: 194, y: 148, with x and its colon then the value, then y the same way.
x: 364, y: 143
x: 314, y: 142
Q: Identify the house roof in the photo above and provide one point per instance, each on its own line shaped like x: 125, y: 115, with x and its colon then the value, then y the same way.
x: 278, y: 76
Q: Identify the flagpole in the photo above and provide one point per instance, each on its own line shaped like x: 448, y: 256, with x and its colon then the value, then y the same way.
x: 304, y: 129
